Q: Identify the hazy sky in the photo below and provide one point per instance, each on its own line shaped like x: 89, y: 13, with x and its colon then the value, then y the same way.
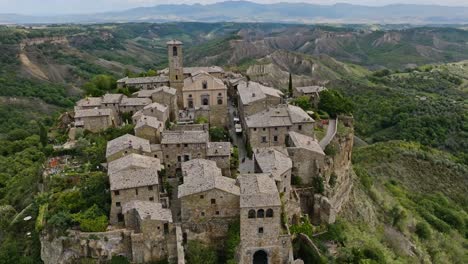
x: 89, y: 6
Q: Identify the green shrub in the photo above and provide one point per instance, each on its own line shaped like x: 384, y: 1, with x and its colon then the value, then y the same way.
x: 119, y: 260
x: 218, y: 134
x: 334, y: 103
x: 331, y: 149
x: 92, y: 220
x: 296, y: 180
x: 317, y: 184
x: 198, y: 253
x: 423, y: 230
x: 332, y: 180
x: 201, y: 120
x: 233, y: 240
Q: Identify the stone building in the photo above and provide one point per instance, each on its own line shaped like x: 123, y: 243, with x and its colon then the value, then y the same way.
x: 133, y: 161
x: 132, y: 105
x: 153, y: 236
x: 206, y: 194
x: 270, y: 127
x: 220, y: 152
x: 203, y: 89
x: 95, y: 120
x: 313, y: 92
x: 176, y: 68
x: 206, y: 95
x: 132, y: 184
x: 150, y: 128
x: 164, y: 95
x: 180, y: 146
x: 112, y: 101
x: 125, y: 145
x: 143, y: 83
x: 276, y: 163
x: 307, y: 157
x: 254, y: 97
x: 160, y: 111
x: 263, y: 239
x: 88, y: 103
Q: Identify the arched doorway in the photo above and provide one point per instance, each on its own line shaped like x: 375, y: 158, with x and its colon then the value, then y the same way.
x: 260, y: 257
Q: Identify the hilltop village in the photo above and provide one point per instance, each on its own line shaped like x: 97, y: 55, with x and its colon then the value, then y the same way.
x: 170, y: 183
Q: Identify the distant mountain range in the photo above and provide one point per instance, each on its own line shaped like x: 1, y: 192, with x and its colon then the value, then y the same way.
x: 244, y: 11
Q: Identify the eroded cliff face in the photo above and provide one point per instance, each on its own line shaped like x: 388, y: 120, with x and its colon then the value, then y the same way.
x: 76, y: 245
x: 337, y: 178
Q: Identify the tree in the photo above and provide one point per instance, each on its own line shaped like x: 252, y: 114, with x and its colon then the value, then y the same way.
x: 43, y: 134
x: 218, y: 134
x: 197, y: 253
x: 99, y: 85
x: 290, y: 86
x: 334, y: 103
x: 303, y: 102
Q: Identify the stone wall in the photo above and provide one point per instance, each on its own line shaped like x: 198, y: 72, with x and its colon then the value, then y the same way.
x: 174, y: 155
x: 276, y: 136
x: 124, y: 196
x: 96, y: 123
x: 76, y: 245
x: 209, y: 205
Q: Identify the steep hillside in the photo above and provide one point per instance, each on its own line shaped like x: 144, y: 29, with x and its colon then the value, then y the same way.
x: 413, y: 199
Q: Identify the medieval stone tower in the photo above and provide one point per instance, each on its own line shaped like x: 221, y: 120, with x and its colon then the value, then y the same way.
x: 176, y: 68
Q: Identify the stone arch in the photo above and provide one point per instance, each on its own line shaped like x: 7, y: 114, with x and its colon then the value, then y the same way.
x: 260, y: 213
x: 260, y: 257
x: 251, y: 213
x: 269, y: 212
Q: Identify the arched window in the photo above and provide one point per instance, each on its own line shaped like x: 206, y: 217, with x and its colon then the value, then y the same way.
x: 190, y: 96
x: 269, y: 213
x: 174, y: 51
x: 219, y: 94
x: 205, y: 85
x: 205, y: 101
x: 220, y: 101
x: 251, y: 213
x: 260, y: 213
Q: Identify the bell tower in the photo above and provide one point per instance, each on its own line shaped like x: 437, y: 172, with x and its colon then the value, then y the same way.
x: 176, y: 68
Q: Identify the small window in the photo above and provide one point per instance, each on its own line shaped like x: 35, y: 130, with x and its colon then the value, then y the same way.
x: 178, y: 145
x: 151, y: 199
x: 202, y: 213
x: 116, y: 192
x: 177, y: 77
x: 264, y: 129
x: 155, y: 156
x: 260, y: 213
x: 136, y: 191
x: 260, y: 230
x: 251, y: 213
x: 269, y: 212
x: 255, y: 129
x: 190, y: 96
x: 185, y: 145
x: 167, y: 156
x: 213, y: 201
x: 150, y: 188
x: 186, y: 157
x: 205, y: 85
x: 174, y: 51
x: 217, y: 212
x: 202, y: 196
x: 275, y: 138
x: 276, y: 129
x: 117, y: 204
x: 179, y: 158
x: 299, y: 127
x: 166, y: 228
x: 264, y: 140
x: 220, y: 101
x: 219, y: 94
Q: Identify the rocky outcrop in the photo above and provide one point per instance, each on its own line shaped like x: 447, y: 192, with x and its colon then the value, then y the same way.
x: 101, y: 246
